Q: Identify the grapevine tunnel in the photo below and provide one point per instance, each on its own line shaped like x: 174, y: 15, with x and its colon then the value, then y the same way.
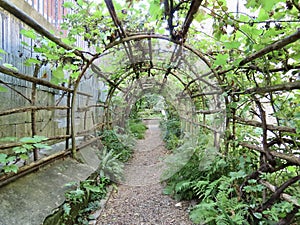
x: 243, y: 91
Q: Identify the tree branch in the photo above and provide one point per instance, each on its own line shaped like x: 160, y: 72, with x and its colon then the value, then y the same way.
x: 288, y: 157
x: 277, y: 193
x: 15, y: 90
x: 195, y: 4
x: 269, y: 126
x: 31, y: 108
x: 296, y: 4
x: 284, y: 196
x: 16, y: 74
x: 289, y: 217
x: 285, y: 68
x: 275, y: 46
x: 267, y: 89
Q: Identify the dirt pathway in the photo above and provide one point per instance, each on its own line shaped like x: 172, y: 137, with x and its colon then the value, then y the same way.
x: 139, y: 200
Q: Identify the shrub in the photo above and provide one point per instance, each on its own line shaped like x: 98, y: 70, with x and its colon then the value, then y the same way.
x: 111, y: 140
x: 137, y: 128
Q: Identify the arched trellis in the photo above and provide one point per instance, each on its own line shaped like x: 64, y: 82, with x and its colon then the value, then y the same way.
x: 157, y: 60
x: 59, y: 42
x: 233, y: 94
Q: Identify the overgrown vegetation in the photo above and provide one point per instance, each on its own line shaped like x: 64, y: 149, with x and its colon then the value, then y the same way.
x: 137, y: 128
x: 120, y: 145
x: 171, y: 128
x: 252, y: 61
x: 149, y: 106
x: 228, y: 189
x: 81, y: 201
x: 110, y: 165
x: 85, y: 199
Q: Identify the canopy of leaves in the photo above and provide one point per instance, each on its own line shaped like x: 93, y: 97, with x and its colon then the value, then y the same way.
x: 237, y: 68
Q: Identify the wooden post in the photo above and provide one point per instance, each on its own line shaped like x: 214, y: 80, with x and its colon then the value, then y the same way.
x: 33, y: 112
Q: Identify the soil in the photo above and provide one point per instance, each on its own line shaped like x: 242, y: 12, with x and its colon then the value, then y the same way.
x: 140, y: 199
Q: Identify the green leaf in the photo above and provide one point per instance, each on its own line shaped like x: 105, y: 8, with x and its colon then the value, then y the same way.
x: 232, y: 44
x: 118, y: 6
x: 3, y: 158
x: 25, y: 43
x: 68, y: 41
x: 29, y: 33
x: 38, y: 138
x: 10, y: 66
x: 27, y: 140
x: 67, y: 208
x: 221, y: 59
x: 237, y: 175
x: 24, y: 156
x: 199, y: 17
x: 257, y: 215
x: 237, y: 62
x: 49, y: 55
x: 291, y: 169
x: 19, y: 149
x: 11, y: 159
x: 2, y: 51
x: 263, y: 15
x: 69, y: 5
x: 155, y: 9
x: 75, y: 74
x: 28, y: 146
x: 58, y: 73
x: 92, y: 188
x: 31, y: 61
x: 34, y: 139
x: 80, y: 2
x: 8, y: 139
x: 11, y: 168
x: 269, y: 4
x: 3, y: 89
x: 98, y: 49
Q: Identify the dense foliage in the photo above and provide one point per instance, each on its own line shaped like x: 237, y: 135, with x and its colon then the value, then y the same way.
x: 120, y: 145
x: 137, y: 128
x: 171, y: 127
x: 225, y: 187
x: 252, y: 177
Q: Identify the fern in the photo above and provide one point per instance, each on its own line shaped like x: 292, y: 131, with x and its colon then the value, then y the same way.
x: 204, y: 213
x: 110, y: 166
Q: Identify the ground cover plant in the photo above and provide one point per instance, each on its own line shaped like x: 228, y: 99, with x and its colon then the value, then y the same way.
x: 113, y: 142
x: 137, y: 128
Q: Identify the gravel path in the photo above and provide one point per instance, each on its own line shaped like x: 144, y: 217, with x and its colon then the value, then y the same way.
x: 139, y: 200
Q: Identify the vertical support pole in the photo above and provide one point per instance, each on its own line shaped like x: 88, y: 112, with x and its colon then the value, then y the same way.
x: 68, y: 115
x: 33, y: 112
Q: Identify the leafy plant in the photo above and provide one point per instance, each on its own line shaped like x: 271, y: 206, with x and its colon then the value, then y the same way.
x: 137, y: 128
x: 83, y: 200
x: 172, y: 132
x: 111, y: 140
x: 21, y: 152
x: 110, y: 165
